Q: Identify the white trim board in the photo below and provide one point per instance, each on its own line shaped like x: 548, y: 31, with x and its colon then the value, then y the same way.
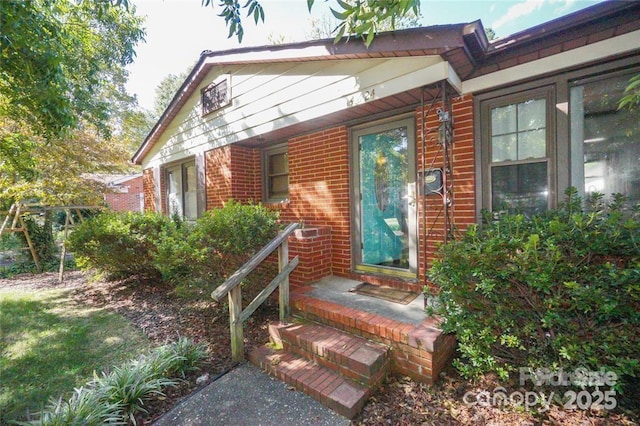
x: 581, y: 55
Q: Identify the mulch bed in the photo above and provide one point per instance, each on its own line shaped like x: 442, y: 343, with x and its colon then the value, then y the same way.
x: 163, y: 317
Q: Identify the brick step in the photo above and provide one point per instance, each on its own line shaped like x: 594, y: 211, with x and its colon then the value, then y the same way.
x: 359, y: 359
x: 369, y: 325
x: 419, y: 350
x: 337, y: 392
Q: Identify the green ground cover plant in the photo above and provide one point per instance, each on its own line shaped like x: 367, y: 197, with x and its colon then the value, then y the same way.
x: 558, y: 290
x: 119, y: 394
x: 50, y: 345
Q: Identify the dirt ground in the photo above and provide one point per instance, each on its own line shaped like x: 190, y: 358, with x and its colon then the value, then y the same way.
x: 401, y: 401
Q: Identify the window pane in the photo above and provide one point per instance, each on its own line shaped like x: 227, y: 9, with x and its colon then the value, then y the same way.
x: 531, y: 115
x: 504, y: 148
x: 279, y: 186
x: 278, y: 164
x: 604, y: 139
x: 503, y: 120
x: 518, y: 131
x: 521, y: 187
x: 384, y: 179
x: 191, y: 205
x: 190, y: 181
x: 277, y: 175
x: 173, y: 184
x: 532, y: 144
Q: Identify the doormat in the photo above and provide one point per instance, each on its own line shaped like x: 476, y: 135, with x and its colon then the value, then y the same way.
x: 382, y: 292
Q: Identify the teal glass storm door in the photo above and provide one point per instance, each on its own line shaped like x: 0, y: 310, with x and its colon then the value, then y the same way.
x: 384, y: 185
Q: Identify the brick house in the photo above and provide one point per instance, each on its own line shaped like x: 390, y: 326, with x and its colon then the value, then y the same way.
x: 124, y: 192
x: 385, y: 152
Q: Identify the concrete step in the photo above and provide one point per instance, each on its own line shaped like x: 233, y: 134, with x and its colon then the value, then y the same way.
x: 355, y: 357
x: 335, y: 391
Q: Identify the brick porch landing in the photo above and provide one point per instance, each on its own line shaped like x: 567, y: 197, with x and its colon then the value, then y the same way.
x: 339, y: 345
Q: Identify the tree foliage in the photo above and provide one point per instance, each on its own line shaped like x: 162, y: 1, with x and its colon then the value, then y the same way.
x: 64, y: 111
x: 58, y: 56
x: 325, y: 26
x: 60, y: 172
x: 165, y: 91
x: 355, y: 17
x: 631, y: 98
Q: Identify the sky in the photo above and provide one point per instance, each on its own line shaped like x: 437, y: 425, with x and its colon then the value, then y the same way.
x: 177, y: 31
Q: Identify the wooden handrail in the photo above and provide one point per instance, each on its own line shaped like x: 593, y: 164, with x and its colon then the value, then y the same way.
x: 237, y: 277
x: 231, y: 287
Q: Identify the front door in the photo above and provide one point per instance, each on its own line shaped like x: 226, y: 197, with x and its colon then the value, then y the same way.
x: 384, y: 188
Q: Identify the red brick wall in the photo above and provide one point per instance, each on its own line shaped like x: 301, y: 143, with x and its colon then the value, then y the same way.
x: 148, y: 185
x: 246, y: 172
x: 319, y: 191
x: 218, y: 176
x: 232, y: 172
x: 313, y: 246
x: 129, y: 200
x: 431, y: 219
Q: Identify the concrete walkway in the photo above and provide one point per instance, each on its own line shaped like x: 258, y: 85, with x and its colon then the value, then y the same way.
x: 248, y: 397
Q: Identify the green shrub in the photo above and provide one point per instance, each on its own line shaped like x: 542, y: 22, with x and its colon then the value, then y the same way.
x: 121, y: 245
x: 195, y: 257
x: 208, y: 251
x: 559, y: 290
x: 236, y: 229
x: 177, y: 358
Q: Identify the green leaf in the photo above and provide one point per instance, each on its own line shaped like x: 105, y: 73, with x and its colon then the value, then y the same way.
x: 338, y: 15
x: 363, y: 28
x: 344, y: 5
x: 310, y: 4
x: 341, y: 30
x: 369, y: 39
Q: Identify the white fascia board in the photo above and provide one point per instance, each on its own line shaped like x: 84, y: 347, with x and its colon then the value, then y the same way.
x: 309, y: 52
x: 581, y: 55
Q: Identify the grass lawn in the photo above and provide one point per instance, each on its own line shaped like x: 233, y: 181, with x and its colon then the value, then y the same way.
x: 50, y: 344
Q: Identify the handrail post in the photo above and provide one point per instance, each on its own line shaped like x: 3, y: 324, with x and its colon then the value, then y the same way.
x: 231, y: 287
x: 283, y: 288
x: 235, y: 324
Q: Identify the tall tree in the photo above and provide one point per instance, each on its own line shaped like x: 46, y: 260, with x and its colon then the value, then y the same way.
x: 165, y: 91
x: 62, y: 92
x: 57, y: 57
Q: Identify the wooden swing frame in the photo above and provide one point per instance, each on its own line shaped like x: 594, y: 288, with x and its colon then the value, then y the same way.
x: 15, y: 217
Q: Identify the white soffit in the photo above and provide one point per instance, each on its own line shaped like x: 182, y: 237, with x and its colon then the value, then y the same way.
x: 581, y: 55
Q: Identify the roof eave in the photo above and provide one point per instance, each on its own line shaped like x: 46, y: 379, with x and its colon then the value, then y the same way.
x: 434, y: 40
